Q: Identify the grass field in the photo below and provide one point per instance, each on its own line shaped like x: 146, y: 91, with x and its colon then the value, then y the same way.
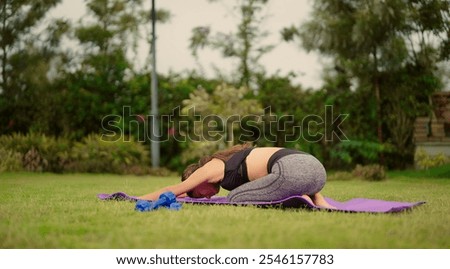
x: 62, y: 211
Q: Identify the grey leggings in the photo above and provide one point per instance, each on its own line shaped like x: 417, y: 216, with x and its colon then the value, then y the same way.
x: 294, y: 174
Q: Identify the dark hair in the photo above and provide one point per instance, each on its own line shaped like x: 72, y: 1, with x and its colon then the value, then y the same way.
x: 223, y: 155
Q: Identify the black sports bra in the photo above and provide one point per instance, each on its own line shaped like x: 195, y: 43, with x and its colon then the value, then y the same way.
x: 236, y: 170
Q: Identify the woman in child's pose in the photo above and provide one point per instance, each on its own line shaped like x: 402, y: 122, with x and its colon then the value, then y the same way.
x: 253, y: 174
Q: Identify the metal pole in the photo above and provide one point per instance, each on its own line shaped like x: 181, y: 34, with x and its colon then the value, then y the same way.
x: 155, y: 132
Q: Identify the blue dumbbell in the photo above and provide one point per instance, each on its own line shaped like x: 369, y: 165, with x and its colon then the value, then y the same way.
x: 175, y: 206
x: 142, y: 205
x: 167, y: 199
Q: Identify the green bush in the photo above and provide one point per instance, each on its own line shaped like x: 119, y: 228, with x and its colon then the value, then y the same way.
x: 40, y: 152
x: 372, y: 172
x: 95, y: 154
x: 10, y: 161
x: 359, y: 151
x: 426, y: 161
x: 340, y: 175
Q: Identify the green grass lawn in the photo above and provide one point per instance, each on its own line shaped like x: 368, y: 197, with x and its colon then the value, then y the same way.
x: 62, y: 211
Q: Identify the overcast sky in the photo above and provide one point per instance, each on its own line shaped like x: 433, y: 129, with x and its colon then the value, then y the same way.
x: 173, y: 37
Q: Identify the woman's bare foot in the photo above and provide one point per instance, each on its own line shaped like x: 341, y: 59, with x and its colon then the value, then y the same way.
x: 320, y: 201
x: 307, y: 198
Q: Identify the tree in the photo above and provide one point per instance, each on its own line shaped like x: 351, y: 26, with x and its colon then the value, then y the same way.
x: 17, y: 20
x: 285, y: 106
x: 217, y: 116
x: 382, y: 45
x: 245, y: 44
x: 25, y: 54
x: 99, y: 86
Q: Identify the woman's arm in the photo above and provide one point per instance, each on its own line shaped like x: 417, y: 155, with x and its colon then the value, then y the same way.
x: 155, y: 195
x: 212, y: 171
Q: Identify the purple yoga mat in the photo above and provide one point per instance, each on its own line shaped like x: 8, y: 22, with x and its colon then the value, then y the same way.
x: 353, y: 205
x: 117, y: 196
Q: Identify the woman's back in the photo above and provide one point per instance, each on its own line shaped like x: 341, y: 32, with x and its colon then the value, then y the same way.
x: 257, y: 161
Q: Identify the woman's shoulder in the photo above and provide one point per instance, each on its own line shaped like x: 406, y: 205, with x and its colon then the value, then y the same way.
x: 214, y: 170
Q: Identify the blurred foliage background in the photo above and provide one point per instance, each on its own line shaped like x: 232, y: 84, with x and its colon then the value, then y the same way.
x: 63, y: 110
